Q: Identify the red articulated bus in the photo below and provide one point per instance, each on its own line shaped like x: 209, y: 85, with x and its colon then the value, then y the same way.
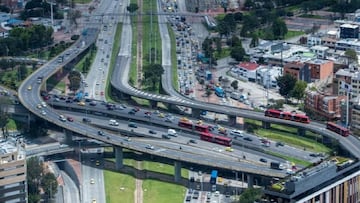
x: 337, y: 129
x: 227, y: 141
x: 188, y: 124
x: 287, y: 116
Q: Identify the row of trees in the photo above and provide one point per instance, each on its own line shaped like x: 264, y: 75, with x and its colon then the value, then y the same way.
x: 23, y: 39
x: 38, y: 178
x: 289, y: 86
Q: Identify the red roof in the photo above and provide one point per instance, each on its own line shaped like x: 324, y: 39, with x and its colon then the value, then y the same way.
x: 248, y: 65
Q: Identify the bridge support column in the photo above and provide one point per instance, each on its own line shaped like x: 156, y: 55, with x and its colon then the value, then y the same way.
x: 232, y: 120
x: 153, y: 104
x: 196, y: 112
x: 301, y: 131
x: 250, y: 180
x: 68, y: 137
x: 177, y: 174
x: 266, y: 125
x: 118, y: 157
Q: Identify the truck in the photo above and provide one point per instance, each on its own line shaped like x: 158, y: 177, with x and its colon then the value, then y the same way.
x: 172, y: 132
x: 275, y: 165
x: 113, y: 122
x: 213, y: 178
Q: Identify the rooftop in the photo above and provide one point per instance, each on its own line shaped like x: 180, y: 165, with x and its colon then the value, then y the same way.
x: 346, y: 25
x: 248, y: 65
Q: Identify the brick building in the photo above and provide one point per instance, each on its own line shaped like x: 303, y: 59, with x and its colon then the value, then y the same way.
x: 299, y: 70
x: 320, y: 69
x: 328, y: 106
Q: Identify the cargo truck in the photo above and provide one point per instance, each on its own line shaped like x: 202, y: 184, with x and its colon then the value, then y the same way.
x: 172, y: 132
x: 275, y: 165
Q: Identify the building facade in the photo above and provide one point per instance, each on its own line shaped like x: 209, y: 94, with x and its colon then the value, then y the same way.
x: 320, y: 69
x: 299, y: 70
x: 13, y: 187
x: 328, y: 106
x: 349, y: 31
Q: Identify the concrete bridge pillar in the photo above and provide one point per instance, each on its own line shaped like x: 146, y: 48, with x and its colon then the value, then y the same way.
x: 118, y: 157
x: 68, y: 137
x: 232, y: 120
x: 196, y: 112
x: 250, y: 180
x: 177, y: 174
x: 301, y: 131
x: 266, y: 125
x: 153, y: 104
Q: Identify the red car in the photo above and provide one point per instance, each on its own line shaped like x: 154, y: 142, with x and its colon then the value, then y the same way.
x: 70, y: 119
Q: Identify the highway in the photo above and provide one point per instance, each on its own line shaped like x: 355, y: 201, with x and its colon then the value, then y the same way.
x: 120, y: 82
x: 162, y: 125
x: 29, y: 97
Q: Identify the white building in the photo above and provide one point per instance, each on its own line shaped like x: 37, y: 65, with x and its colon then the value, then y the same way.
x: 266, y: 76
x: 320, y: 51
x: 245, y: 71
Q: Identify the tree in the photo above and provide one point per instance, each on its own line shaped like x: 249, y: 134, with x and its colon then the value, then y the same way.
x: 38, y: 179
x: 279, y: 28
x: 351, y: 55
x: 208, y: 92
x: 234, y: 84
x: 75, y: 79
x: 34, y: 171
x: 73, y: 16
x: 152, y: 74
x: 49, y: 184
x: 286, y: 84
x: 238, y: 53
x: 132, y: 7
x: 22, y: 71
x: 298, y: 91
x: 250, y: 195
x: 4, y: 115
x: 254, y: 40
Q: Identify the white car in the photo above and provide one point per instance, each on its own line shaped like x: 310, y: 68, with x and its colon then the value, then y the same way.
x: 238, y: 133
x: 43, y: 104
x: 43, y: 112
x: 149, y: 146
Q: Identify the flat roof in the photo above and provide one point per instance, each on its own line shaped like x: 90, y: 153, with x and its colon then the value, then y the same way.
x: 346, y: 25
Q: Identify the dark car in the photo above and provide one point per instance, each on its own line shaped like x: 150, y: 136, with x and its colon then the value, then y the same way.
x: 101, y: 133
x: 70, y: 119
x: 193, y: 141
x: 248, y: 139
x: 152, y: 131
x: 263, y: 160
x: 86, y: 120
x: 131, y: 112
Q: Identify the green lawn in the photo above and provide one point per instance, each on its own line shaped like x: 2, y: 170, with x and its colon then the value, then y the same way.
x: 53, y: 83
x: 82, y: 1
x: 116, y: 46
x: 160, y: 192
x: 119, y: 188
x: 13, y: 125
x: 163, y: 168
x: 289, y: 136
x: 293, y: 33
x: 174, y: 71
x: 79, y: 65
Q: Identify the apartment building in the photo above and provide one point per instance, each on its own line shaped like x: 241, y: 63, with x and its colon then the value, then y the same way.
x: 320, y: 51
x: 299, y: 70
x: 245, y: 71
x: 349, y: 31
x: 327, y: 182
x: 328, y: 106
x: 320, y: 69
x: 13, y: 185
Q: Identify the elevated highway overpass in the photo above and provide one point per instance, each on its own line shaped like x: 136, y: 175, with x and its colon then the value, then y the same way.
x: 30, y: 99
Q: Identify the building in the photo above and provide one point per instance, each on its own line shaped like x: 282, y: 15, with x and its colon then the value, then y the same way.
x: 313, y: 40
x: 354, y: 117
x: 349, y: 31
x: 320, y: 51
x: 320, y: 69
x: 346, y: 44
x: 13, y: 185
x: 328, y: 182
x: 328, y: 106
x: 299, y: 70
x: 266, y: 76
x: 246, y: 71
